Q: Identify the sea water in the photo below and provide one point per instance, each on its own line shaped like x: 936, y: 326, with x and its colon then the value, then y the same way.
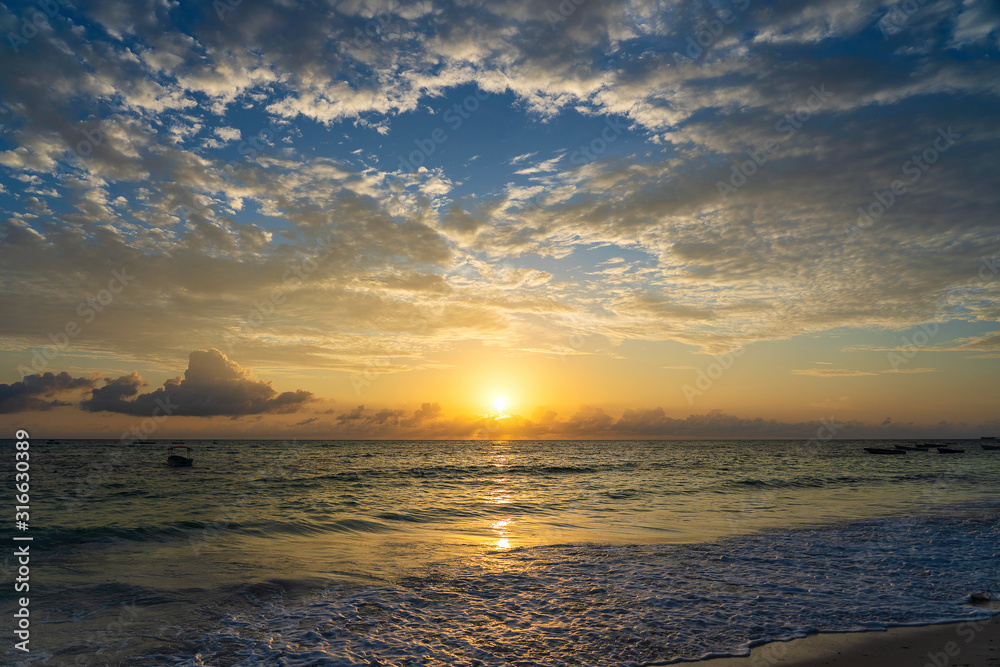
x: 494, y: 552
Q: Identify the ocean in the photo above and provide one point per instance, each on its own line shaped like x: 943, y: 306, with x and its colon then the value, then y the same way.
x: 493, y: 552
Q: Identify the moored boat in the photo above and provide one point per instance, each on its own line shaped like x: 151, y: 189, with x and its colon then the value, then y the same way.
x: 992, y: 448
x: 881, y: 450
x: 950, y: 450
x: 908, y: 448
x: 177, y: 459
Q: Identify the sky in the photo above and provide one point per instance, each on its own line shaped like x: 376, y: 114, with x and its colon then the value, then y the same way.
x: 503, y: 219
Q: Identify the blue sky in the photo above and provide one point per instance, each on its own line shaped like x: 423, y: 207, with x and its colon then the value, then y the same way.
x: 637, y: 187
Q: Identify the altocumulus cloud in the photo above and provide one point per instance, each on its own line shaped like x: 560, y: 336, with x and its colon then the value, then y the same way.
x: 212, y: 385
x: 38, y: 392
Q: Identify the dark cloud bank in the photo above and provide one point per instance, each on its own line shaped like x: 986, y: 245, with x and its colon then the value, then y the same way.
x: 213, y: 385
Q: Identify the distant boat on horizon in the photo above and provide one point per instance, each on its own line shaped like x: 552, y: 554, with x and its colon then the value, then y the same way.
x: 881, y: 450
x: 52, y: 442
x: 987, y: 437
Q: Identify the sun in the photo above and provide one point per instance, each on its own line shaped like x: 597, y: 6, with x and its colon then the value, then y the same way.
x: 500, y: 404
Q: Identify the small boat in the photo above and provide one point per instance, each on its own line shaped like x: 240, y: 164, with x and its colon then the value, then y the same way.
x: 926, y: 445
x: 880, y: 450
x: 51, y: 442
x: 177, y: 442
x: 992, y: 448
x: 908, y: 448
x: 145, y: 442
x: 987, y: 437
x: 950, y: 450
x: 178, y: 459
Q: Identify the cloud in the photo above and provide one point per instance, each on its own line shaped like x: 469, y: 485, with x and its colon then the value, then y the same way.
x: 38, y: 392
x: 988, y: 343
x: 228, y: 133
x: 912, y: 370
x: 411, y: 270
x: 832, y: 372
x: 593, y: 422
x: 847, y: 372
x: 212, y: 385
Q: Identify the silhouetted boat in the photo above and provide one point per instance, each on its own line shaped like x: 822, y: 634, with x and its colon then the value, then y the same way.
x: 51, y: 442
x: 992, y: 448
x: 145, y: 442
x: 177, y: 459
x: 987, y: 437
x: 908, y: 448
x: 950, y: 450
x: 880, y: 450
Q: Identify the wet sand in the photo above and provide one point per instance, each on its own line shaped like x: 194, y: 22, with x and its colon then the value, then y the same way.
x: 970, y: 643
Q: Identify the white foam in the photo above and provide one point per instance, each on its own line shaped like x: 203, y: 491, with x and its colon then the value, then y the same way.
x: 632, y: 605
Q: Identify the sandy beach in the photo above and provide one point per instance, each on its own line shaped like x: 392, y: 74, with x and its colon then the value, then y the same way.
x: 966, y: 644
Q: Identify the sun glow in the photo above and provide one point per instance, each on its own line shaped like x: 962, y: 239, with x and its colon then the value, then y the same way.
x: 500, y: 404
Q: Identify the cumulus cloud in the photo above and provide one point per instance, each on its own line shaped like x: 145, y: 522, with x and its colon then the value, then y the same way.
x: 212, y: 385
x: 39, y: 392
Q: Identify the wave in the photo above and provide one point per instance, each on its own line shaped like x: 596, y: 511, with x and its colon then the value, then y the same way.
x: 815, y: 482
x: 194, y: 530
x: 583, y: 603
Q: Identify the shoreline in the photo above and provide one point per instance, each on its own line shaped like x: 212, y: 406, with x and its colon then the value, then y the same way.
x: 955, y: 644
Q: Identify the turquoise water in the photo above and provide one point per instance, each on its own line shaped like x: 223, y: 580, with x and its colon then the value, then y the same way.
x: 488, y: 552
